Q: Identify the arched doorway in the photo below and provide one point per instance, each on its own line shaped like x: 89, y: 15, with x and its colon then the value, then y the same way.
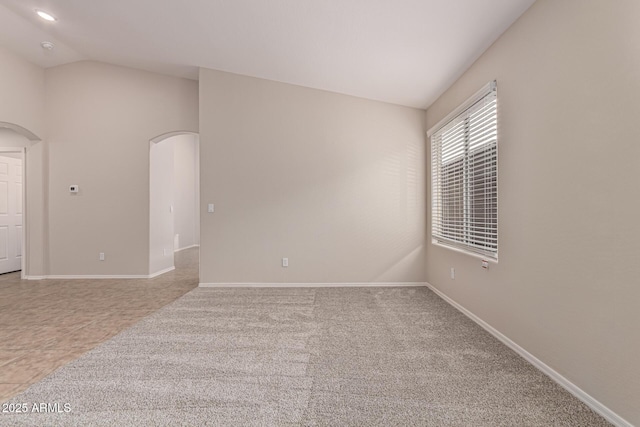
x: 174, y: 223
x: 15, y: 144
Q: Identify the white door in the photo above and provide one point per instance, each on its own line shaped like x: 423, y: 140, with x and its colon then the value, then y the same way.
x: 10, y: 214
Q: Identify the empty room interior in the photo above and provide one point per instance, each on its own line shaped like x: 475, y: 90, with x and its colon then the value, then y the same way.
x: 320, y: 212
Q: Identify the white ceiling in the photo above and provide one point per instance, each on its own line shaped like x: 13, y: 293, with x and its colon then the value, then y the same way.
x: 400, y: 51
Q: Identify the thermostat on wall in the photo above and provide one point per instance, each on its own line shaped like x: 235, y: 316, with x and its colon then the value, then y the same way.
x: 73, y: 189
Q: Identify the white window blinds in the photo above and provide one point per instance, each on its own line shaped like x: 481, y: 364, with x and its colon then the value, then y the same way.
x: 464, y: 167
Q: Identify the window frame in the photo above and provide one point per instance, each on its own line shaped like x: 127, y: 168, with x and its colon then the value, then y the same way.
x: 463, y: 242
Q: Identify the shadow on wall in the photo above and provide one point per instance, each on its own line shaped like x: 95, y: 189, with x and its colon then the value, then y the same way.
x: 17, y: 130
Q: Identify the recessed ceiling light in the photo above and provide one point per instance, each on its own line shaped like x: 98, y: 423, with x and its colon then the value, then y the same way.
x: 44, y: 15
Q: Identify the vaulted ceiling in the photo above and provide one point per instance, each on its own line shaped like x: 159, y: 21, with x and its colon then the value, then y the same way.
x: 400, y: 51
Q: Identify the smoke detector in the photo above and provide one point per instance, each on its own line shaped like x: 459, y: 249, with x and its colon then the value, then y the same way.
x: 47, y: 45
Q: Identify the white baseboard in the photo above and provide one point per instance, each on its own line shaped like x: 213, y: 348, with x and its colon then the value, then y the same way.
x: 96, y: 276
x: 309, y: 285
x: 100, y: 276
x: 186, y: 247
x: 591, y: 402
x: 157, y: 273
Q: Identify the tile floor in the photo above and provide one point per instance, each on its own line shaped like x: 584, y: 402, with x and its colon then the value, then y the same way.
x: 46, y: 324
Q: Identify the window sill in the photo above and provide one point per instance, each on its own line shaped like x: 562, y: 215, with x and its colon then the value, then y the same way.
x: 462, y: 251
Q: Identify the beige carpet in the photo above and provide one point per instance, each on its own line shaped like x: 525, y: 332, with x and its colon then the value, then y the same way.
x: 330, y: 356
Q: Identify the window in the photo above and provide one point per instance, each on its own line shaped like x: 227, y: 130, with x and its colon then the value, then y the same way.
x: 464, y: 172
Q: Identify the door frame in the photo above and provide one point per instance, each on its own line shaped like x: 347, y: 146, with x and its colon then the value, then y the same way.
x: 31, y: 138
x: 25, y: 242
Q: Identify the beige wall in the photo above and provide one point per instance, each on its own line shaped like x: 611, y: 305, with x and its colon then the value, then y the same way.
x: 22, y: 95
x: 22, y: 92
x: 334, y: 183
x: 566, y: 285
x: 100, y: 119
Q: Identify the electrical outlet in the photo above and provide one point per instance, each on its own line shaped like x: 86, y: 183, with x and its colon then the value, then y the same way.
x: 101, y: 256
x: 453, y: 273
x: 285, y: 262
x: 164, y: 251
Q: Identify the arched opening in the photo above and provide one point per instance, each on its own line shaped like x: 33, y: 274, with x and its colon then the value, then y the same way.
x: 174, y: 201
x: 19, y: 130
x: 15, y: 144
